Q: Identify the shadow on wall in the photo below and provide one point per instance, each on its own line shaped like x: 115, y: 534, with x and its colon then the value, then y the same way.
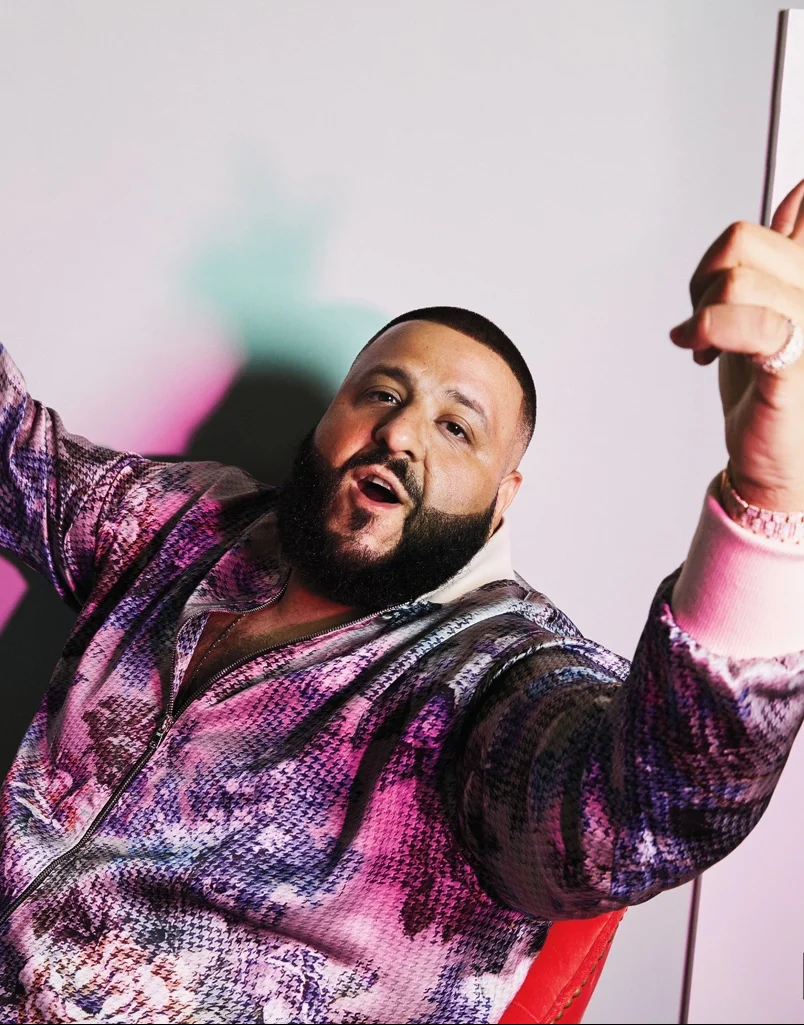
x: 257, y: 278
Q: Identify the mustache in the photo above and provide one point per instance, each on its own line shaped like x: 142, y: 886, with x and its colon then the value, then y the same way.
x: 400, y: 468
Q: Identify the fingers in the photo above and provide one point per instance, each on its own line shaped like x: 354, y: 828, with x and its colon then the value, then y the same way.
x: 789, y: 216
x: 725, y: 327
x: 745, y: 286
x: 777, y: 250
x: 754, y: 247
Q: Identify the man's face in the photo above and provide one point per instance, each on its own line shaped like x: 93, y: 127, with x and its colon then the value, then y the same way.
x: 408, y: 472
x: 441, y: 404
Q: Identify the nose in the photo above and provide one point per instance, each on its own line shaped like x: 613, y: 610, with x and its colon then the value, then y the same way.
x: 401, y: 432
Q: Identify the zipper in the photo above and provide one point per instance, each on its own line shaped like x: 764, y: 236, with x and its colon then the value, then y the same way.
x: 165, y: 725
x: 75, y: 850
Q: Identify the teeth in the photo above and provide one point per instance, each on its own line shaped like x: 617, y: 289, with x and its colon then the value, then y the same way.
x: 381, y: 483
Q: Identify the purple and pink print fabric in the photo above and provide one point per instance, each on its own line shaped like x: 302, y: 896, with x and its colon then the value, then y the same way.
x: 374, y: 824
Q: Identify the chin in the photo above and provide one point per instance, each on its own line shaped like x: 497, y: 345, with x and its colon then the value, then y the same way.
x: 362, y: 542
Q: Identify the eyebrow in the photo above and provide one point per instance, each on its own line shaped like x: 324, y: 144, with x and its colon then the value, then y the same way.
x: 404, y: 378
x: 464, y: 400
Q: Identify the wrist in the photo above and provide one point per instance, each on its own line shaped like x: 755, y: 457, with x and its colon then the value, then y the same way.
x: 740, y: 594
x: 777, y: 499
x: 775, y: 514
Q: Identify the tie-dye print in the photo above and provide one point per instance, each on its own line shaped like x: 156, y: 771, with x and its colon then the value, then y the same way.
x: 375, y: 824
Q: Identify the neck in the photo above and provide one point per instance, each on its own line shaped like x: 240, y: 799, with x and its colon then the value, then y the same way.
x: 299, y: 604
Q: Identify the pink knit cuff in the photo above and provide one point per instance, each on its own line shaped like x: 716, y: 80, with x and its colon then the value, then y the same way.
x: 738, y: 594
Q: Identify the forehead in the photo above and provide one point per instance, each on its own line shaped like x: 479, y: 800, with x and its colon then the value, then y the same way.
x: 440, y: 358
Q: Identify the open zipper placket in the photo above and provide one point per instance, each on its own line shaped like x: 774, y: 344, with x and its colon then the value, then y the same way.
x: 170, y: 717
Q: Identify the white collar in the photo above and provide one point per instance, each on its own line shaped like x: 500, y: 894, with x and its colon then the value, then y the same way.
x: 492, y: 562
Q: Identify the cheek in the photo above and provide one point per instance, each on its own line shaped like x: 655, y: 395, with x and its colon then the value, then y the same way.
x: 339, y: 435
x: 456, y: 490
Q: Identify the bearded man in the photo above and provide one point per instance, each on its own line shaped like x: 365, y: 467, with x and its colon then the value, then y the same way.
x: 319, y: 754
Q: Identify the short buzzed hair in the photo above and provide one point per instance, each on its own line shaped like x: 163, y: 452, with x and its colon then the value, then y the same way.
x: 484, y: 331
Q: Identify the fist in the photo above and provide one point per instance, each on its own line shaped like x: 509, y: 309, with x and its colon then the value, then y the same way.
x: 746, y: 290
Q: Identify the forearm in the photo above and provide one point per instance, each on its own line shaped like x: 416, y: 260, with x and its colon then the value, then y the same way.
x: 51, y: 487
x: 705, y: 737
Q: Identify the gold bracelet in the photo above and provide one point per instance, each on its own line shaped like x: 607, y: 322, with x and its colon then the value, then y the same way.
x: 769, y: 523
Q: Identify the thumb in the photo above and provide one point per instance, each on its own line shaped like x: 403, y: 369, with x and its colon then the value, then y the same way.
x: 789, y: 216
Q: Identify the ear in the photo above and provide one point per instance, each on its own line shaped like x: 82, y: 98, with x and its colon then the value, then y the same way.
x: 505, y: 496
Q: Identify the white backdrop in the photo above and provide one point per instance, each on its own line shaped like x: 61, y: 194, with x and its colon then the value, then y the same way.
x: 181, y: 183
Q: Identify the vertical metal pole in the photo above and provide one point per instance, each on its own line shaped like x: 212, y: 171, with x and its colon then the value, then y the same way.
x: 773, y: 127
x: 689, y: 956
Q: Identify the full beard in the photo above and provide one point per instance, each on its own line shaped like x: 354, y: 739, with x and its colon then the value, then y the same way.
x: 433, y: 546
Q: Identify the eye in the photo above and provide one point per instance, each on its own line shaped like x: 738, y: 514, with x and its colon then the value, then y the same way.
x: 381, y: 395
x: 455, y: 429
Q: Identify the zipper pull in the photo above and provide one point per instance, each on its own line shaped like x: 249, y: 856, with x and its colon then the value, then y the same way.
x: 162, y: 731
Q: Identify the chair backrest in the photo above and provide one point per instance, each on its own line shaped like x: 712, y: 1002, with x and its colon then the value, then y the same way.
x: 563, y: 977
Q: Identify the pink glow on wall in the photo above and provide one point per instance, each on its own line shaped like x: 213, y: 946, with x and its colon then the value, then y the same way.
x: 12, y: 588
x: 182, y: 404
x: 172, y: 397
x: 180, y: 399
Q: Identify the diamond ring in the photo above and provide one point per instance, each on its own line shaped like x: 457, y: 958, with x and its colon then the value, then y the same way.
x: 786, y: 356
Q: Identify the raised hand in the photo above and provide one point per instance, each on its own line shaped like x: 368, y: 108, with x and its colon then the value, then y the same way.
x: 748, y: 295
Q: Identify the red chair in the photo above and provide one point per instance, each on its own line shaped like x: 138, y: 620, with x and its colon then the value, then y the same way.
x: 563, y: 977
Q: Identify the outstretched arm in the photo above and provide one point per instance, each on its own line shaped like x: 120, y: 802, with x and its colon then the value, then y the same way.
x: 586, y: 788
x: 52, y: 488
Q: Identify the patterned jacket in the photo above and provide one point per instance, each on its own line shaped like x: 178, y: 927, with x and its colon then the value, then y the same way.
x: 373, y: 824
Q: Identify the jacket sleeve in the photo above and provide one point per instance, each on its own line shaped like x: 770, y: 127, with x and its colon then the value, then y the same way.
x: 585, y: 786
x: 52, y: 488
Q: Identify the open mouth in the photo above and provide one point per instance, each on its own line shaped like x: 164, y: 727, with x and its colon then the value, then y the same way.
x: 377, y: 491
